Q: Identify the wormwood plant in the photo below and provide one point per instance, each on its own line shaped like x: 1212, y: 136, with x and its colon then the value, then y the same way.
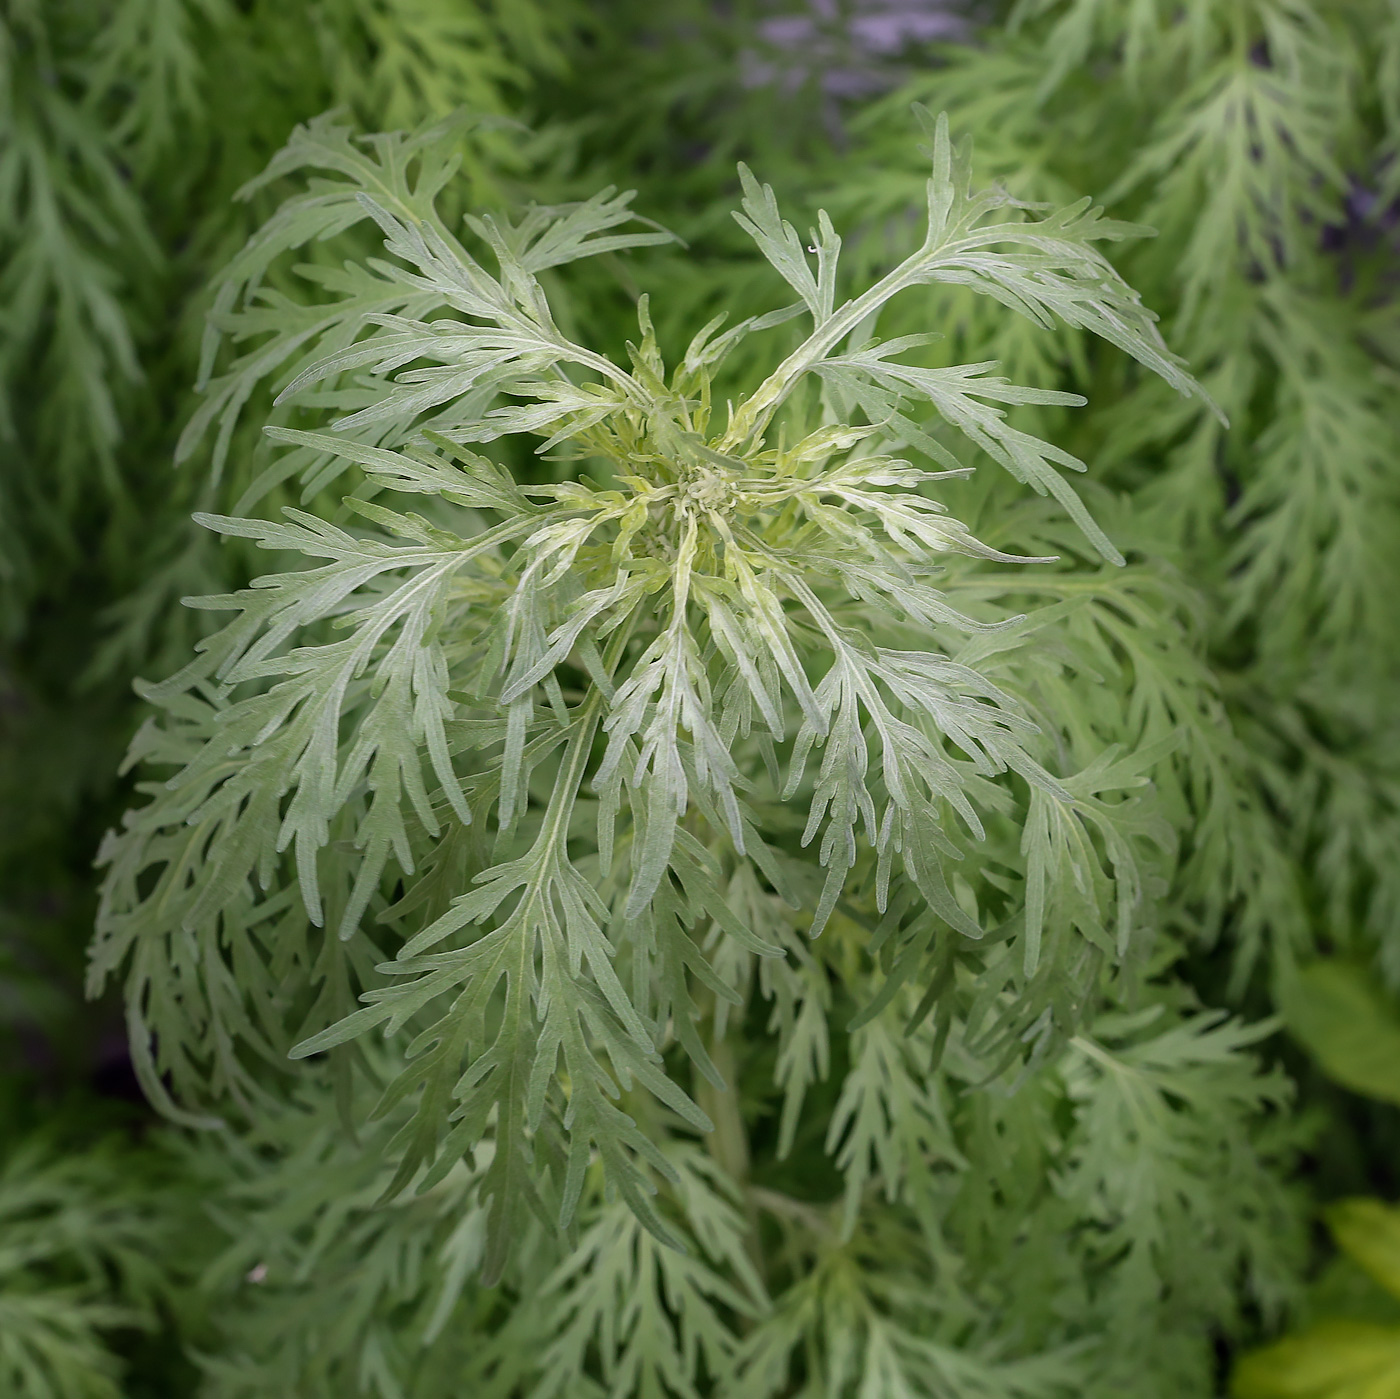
x: 971, y: 1132
x: 975, y: 1136
x: 576, y: 751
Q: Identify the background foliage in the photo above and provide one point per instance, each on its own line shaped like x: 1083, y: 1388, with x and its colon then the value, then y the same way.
x: 886, y: 1203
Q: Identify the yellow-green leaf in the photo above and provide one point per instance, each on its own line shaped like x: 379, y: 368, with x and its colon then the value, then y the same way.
x: 1369, y: 1232
x: 1351, y: 1028
x: 1333, y: 1360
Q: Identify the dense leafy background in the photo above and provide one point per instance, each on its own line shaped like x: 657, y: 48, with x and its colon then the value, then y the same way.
x: 869, y: 1216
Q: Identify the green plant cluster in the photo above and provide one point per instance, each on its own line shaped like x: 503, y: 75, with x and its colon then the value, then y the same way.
x: 778, y: 694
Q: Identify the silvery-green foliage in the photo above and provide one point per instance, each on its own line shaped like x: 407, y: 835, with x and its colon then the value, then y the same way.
x: 541, y: 730
x: 939, y: 1163
x: 1089, y: 1232
x: 318, y: 1289
x: 125, y: 127
x: 1241, y: 132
